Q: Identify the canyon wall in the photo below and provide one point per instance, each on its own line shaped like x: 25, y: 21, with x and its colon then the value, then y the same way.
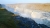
x: 42, y: 7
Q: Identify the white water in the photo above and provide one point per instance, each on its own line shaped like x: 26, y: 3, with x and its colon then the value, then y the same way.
x: 38, y: 16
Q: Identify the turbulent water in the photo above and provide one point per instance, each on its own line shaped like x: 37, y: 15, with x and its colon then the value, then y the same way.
x: 39, y: 17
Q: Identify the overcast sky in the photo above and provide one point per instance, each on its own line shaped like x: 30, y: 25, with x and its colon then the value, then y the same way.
x: 23, y: 1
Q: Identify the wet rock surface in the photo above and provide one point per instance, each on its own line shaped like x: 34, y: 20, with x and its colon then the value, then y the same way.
x: 28, y: 23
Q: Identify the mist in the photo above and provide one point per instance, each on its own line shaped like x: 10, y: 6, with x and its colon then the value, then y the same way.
x: 38, y: 16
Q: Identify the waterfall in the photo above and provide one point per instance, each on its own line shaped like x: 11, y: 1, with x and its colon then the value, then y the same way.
x: 35, y: 15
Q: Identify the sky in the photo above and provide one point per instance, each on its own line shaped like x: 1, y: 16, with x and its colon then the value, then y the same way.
x: 23, y: 1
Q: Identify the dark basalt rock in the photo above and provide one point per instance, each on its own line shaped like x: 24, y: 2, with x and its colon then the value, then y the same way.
x: 43, y: 26
x: 28, y: 23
